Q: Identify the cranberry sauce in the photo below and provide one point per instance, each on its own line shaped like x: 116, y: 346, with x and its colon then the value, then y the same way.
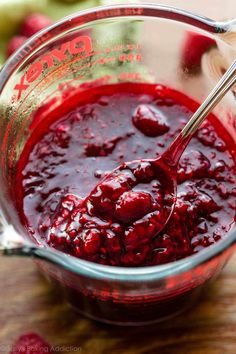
x: 71, y: 151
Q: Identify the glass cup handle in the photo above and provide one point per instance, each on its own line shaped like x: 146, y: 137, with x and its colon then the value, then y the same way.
x: 12, y: 244
x: 10, y: 241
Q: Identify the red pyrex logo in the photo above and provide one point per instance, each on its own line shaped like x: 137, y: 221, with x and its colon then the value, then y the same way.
x: 78, y: 45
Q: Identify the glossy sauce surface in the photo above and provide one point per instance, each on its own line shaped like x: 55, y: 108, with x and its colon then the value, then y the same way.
x: 97, y: 131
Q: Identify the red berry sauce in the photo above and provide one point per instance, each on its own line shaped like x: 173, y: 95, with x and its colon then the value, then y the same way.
x: 115, y: 222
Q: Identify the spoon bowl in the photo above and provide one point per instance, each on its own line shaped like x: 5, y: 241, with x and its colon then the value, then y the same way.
x: 140, y: 192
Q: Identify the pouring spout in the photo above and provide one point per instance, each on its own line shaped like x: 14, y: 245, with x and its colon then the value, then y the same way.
x: 228, y: 32
x: 229, y: 25
x: 222, y: 27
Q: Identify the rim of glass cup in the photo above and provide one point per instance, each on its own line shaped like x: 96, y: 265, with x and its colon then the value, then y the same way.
x: 142, y: 11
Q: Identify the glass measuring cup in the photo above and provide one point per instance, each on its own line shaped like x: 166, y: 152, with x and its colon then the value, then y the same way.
x: 135, y: 43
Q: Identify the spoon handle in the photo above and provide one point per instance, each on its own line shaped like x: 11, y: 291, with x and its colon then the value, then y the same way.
x: 176, y: 149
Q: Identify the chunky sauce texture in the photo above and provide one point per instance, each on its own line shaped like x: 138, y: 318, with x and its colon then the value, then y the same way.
x: 101, y: 128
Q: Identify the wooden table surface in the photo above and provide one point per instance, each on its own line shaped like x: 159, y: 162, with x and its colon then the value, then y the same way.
x: 28, y: 303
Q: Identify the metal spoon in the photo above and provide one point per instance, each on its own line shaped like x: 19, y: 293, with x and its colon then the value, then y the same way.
x: 13, y: 244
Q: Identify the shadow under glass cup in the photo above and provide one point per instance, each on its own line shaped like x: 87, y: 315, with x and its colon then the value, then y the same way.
x: 129, y: 43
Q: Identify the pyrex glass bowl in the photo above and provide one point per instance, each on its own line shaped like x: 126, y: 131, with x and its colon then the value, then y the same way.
x: 137, y: 43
